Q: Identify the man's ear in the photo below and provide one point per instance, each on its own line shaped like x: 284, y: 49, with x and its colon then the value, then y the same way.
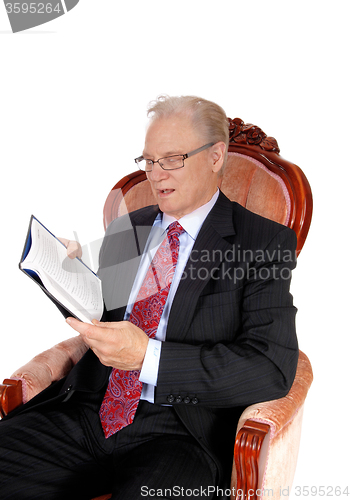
x: 218, y: 154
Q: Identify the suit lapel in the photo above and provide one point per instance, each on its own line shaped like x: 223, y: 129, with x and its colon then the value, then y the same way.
x: 217, y: 226
x: 120, y: 259
x: 142, y: 222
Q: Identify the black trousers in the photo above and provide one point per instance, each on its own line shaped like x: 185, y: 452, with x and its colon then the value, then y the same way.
x: 58, y: 451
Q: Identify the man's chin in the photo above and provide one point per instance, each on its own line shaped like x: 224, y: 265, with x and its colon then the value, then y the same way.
x: 169, y: 208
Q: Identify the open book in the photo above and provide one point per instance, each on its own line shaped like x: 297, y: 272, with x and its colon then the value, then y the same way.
x: 69, y: 283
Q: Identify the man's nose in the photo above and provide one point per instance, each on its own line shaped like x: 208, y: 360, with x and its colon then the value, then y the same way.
x: 157, y: 173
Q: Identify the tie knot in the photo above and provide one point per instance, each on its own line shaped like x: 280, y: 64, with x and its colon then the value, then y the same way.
x: 174, y: 229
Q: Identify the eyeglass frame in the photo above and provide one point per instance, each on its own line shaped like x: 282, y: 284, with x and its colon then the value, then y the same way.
x: 185, y: 156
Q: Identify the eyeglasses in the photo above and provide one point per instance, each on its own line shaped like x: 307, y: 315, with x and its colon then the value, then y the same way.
x: 169, y: 162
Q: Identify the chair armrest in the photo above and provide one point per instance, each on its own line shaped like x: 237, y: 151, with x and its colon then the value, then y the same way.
x: 40, y: 372
x: 267, y: 441
x: 10, y: 396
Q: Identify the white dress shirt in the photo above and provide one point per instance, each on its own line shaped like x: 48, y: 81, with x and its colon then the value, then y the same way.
x: 191, y: 224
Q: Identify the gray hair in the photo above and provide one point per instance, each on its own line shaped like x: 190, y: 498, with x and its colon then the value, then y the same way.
x: 208, y: 118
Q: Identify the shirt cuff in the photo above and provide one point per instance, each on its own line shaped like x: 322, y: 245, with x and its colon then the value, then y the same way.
x: 149, y: 370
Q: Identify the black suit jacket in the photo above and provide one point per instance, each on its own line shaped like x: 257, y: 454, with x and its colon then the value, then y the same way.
x: 230, y: 338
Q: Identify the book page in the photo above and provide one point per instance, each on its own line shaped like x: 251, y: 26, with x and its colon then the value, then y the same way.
x: 69, y: 280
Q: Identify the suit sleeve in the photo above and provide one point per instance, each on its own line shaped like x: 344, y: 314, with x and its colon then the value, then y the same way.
x: 259, y: 360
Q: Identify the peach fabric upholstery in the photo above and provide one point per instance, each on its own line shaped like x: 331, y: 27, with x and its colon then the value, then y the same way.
x: 49, y: 366
x: 280, y: 448
x: 248, y: 182
x: 245, y: 180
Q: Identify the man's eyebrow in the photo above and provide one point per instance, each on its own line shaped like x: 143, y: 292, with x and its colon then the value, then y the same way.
x: 174, y: 152
x: 167, y: 153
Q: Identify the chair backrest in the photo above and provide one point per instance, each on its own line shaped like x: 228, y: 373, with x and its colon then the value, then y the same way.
x: 256, y: 176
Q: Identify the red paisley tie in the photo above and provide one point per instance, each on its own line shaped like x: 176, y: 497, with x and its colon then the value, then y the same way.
x: 124, y: 389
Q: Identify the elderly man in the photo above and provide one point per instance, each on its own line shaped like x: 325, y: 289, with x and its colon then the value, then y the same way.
x: 198, y: 324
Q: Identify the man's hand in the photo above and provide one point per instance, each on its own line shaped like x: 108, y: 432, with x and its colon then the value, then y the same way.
x: 73, y: 248
x: 120, y: 344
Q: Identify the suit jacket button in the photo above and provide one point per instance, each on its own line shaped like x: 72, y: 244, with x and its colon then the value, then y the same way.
x: 170, y: 398
x: 69, y: 392
x: 187, y: 400
x: 178, y: 399
x: 194, y: 401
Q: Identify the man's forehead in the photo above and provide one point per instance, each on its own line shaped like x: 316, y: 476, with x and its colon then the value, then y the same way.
x: 167, y: 136
x: 164, y: 148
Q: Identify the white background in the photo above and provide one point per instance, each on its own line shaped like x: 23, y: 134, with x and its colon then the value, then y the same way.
x: 73, y: 98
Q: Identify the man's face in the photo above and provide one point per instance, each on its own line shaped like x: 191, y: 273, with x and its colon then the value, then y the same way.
x: 179, y: 192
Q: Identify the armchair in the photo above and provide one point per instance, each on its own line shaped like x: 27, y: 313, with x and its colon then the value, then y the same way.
x: 268, y: 433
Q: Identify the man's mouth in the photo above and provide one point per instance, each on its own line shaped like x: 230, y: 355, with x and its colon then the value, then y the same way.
x: 165, y: 191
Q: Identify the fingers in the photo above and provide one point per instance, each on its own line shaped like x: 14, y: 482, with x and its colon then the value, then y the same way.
x: 79, y: 326
x: 118, y: 344
x: 102, y: 324
x: 64, y: 241
x: 91, y: 332
x: 74, y: 249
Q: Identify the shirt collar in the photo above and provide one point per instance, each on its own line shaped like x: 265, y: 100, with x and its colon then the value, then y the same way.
x: 192, y: 222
